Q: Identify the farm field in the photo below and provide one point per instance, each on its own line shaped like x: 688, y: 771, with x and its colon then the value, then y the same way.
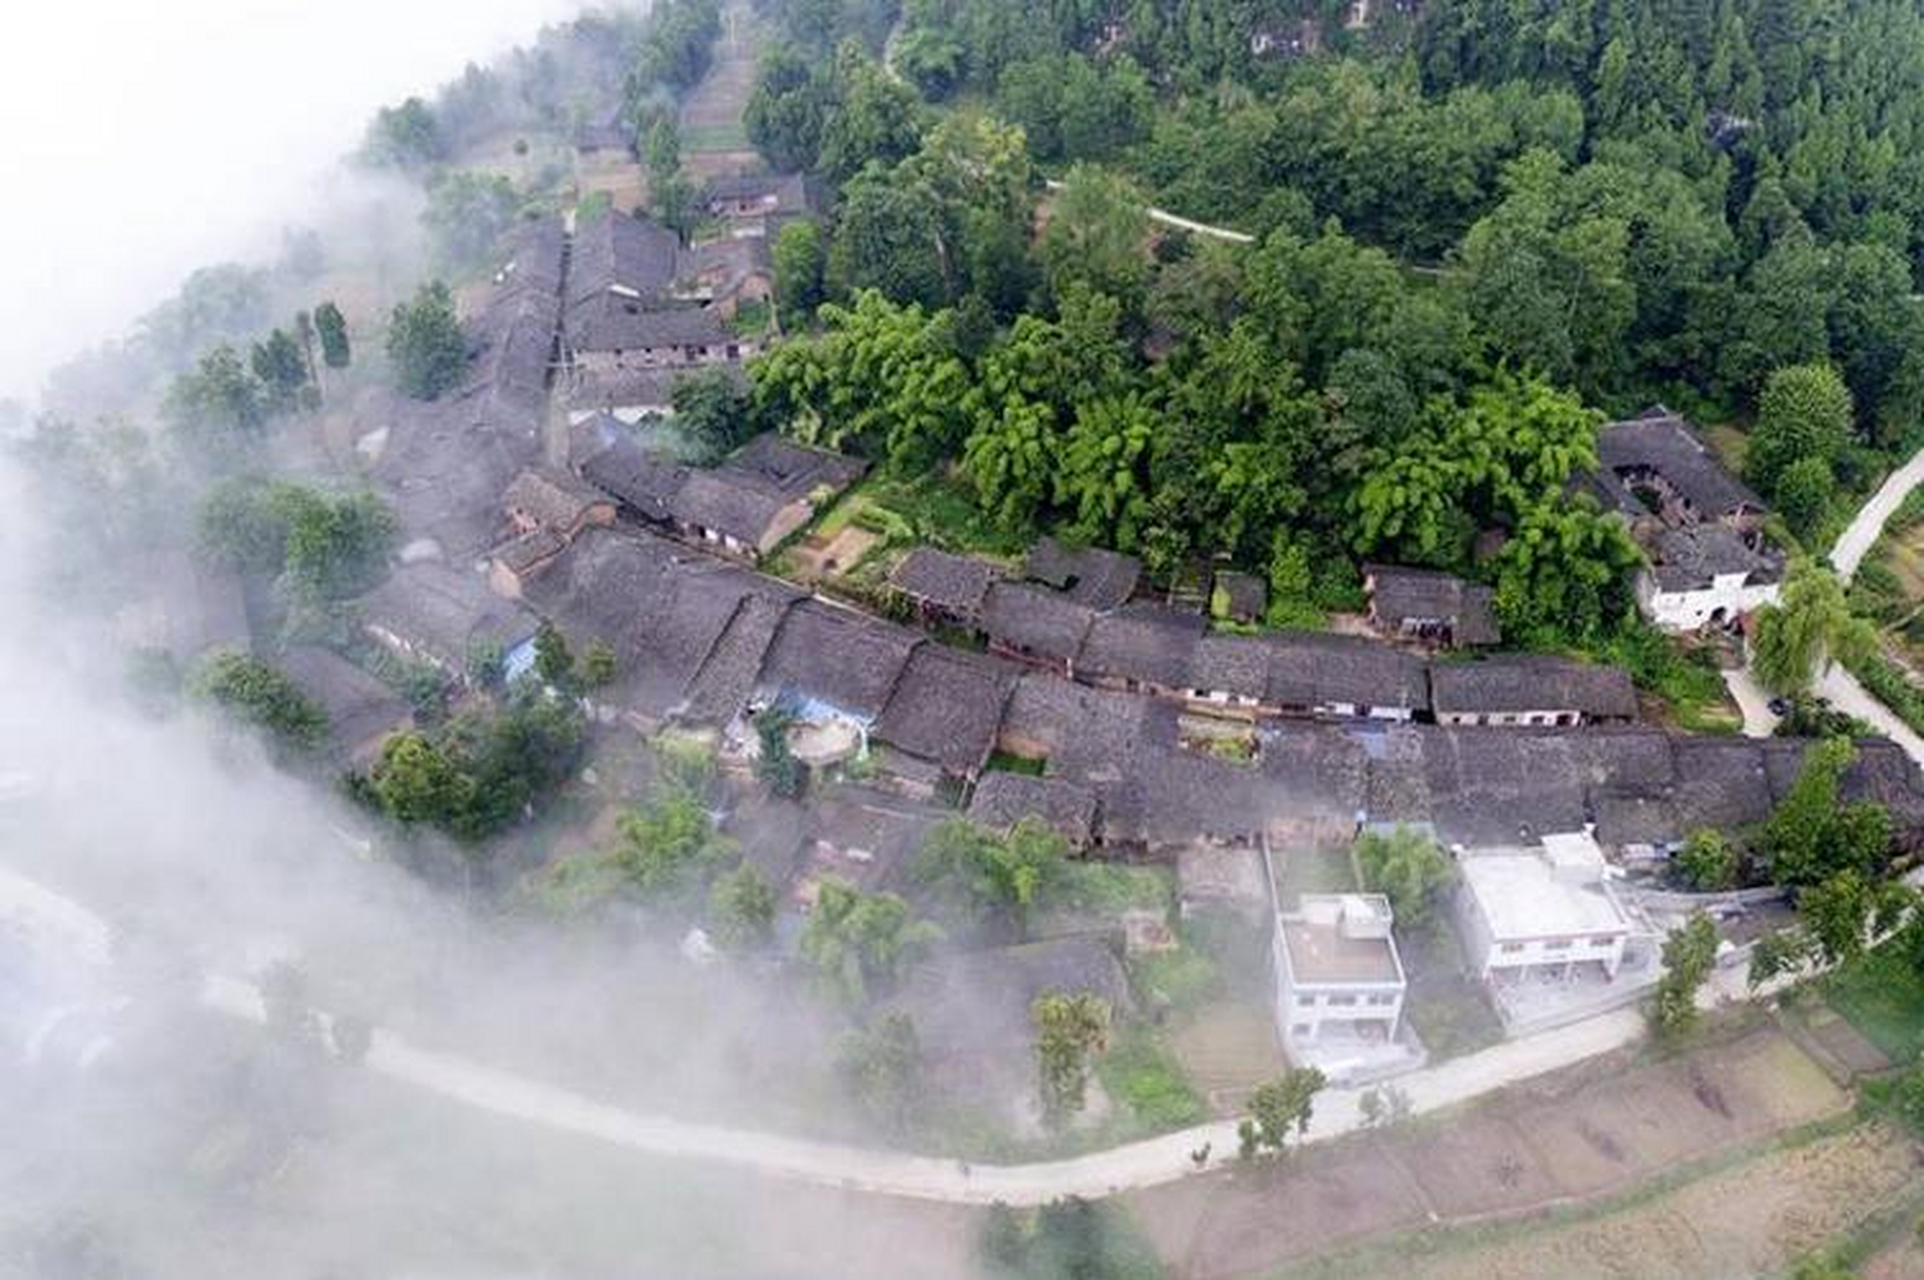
x: 1595, y: 1131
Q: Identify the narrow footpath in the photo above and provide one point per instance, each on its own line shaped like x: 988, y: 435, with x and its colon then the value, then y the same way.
x: 1838, y: 686
x: 65, y: 930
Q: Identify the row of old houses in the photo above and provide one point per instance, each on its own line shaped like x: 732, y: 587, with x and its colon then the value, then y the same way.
x: 1071, y: 612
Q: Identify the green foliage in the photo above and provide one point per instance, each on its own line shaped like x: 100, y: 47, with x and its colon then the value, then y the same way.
x: 1409, y: 869
x: 1881, y: 992
x: 424, y: 343
x: 667, y: 849
x: 1070, y: 1027
x: 775, y: 764
x: 1812, y: 835
x: 1888, y: 683
x: 254, y: 693
x: 1708, y: 862
x: 1097, y: 235
x: 677, y: 47
x: 217, y: 403
x: 280, y: 367
x: 799, y: 261
x: 481, y: 771
x: 404, y: 137
x: 1071, y: 1239
x: 979, y: 872
x: 1140, y: 1075
x: 1278, y: 1106
x: 554, y: 662
x: 859, y: 944
x: 1812, y: 623
x: 598, y: 666
x: 467, y: 213
x: 881, y: 1066
x: 1803, y: 414
x: 1689, y: 953
x: 336, y: 351
x: 321, y: 548
x: 712, y: 411
x: 741, y: 910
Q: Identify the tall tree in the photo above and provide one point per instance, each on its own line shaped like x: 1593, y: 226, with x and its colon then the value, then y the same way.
x: 1812, y: 624
x: 1689, y: 953
x: 425, y: 344
x: 332, y: 327
x: 859, y: 943
x: 1070, y: 1027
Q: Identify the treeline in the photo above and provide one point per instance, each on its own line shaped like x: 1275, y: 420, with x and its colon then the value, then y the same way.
x: 574, y: 71
x: 1324, y: 395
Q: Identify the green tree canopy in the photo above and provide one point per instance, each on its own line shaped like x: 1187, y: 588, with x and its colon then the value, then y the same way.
x: 424, y: 343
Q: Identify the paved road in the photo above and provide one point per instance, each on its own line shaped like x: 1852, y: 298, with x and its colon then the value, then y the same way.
x: 1862, y: 532
x: 59, y: 925
x: 1753, y: 700
x: 1169, y: 219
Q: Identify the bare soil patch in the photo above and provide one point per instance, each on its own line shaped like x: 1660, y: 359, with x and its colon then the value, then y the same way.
x: 1756, y: 1219
x: 1591, y: 1131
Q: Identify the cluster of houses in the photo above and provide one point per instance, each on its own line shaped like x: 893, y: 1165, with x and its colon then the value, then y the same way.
x: 644, y: 309
x: 1121, y: 721
x: 1073, y: 612
x: 1701, y: 529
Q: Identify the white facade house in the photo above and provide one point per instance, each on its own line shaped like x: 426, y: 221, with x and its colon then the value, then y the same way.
x: 1338, y: 977
x: 1725, y: 598
x: 1705, y: 576
x: 1545, y: 912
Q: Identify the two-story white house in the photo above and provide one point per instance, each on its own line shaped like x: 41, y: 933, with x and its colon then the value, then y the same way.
x: 1549, y: 912
x: 1338, y: 977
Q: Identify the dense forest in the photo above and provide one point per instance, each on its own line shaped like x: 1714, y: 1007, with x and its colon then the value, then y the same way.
x: 1479, y: 229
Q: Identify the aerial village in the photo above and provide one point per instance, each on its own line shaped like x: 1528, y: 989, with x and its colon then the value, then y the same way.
x: 1350, y: 850
x: 1060, y: 687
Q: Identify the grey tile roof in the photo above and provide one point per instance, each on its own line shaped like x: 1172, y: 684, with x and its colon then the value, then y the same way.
x: 947, y: 706
x: 1660, y: 441
x: 943, y: 580
x: 1246, y: 594
x: 1092, y: 576
x: 788, y: 193
x: 616, y: 253
x: 795, y: 469
x: 1691, y: 558
x: 1400, y: 596
x: 449, y: 613
x: 1308, y: 669
x: 646, y: 483
x: 1003, y: 799
x: 609, y: 322
x: 1515, y: 683
x: 838, y: 656
x: 727, y: 679
x: 360, y: 709
x: 552, y: 499
x: 1143, y: 642
x: 1036, y: 620
x: 742, y: 506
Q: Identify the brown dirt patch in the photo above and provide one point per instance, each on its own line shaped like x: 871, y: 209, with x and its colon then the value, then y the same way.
x: 1248, y: 1222
x: 1753, y: 1220
x: 1575, y: 1136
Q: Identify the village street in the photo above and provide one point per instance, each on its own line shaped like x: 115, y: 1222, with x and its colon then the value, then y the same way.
x: 1835, y: 684
x: 69, y: 933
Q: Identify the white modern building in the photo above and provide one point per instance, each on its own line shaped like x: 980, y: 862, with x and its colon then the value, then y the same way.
x: 1550, y: 912
x: 1338, y: 977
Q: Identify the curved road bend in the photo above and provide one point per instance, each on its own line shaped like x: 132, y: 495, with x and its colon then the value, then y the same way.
x: 59, y: 926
